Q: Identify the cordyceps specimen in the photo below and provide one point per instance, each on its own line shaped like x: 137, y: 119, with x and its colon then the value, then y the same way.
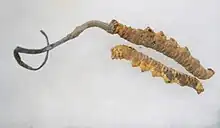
x: 157, y: 69
x: 169, y: 47
x: 146, y: 37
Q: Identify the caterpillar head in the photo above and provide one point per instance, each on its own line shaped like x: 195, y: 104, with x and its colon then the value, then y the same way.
x: 121, y: 52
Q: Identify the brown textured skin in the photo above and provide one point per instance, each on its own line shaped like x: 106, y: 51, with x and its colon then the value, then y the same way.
x: 169, y: 47
x: 157, y: 69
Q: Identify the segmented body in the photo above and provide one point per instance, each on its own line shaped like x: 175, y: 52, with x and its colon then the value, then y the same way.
x: 159, y: 42
x: 157, y: 69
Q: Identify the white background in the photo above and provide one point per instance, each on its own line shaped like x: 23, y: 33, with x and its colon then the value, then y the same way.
x: 81, y: 87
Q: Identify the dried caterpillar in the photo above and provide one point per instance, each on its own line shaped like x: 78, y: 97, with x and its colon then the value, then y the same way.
x: 159, y: 42
x: 157, y: 69
x: 146, y: 37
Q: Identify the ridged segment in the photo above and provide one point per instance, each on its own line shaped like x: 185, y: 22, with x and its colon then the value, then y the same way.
x: 157, y: 69
x: 169, y: 47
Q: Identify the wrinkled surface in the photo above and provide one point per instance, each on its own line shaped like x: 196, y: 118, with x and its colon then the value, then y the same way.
x: 169, y: 47
x: 157, y: 69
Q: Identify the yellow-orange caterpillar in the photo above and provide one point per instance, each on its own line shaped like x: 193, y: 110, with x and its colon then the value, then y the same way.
x: 159, y: 42
x: 157, y: 69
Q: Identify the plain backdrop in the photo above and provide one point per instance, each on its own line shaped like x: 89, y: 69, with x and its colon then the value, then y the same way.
x: 81, y: 87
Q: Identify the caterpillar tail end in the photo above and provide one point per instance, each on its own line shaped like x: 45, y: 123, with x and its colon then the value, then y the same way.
x: 211, y: 72
x: 199, y: 88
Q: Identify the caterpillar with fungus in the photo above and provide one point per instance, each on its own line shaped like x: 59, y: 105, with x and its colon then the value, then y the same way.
x: 157, y: 69
x: 145, y: 37
x: 169, y: 47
